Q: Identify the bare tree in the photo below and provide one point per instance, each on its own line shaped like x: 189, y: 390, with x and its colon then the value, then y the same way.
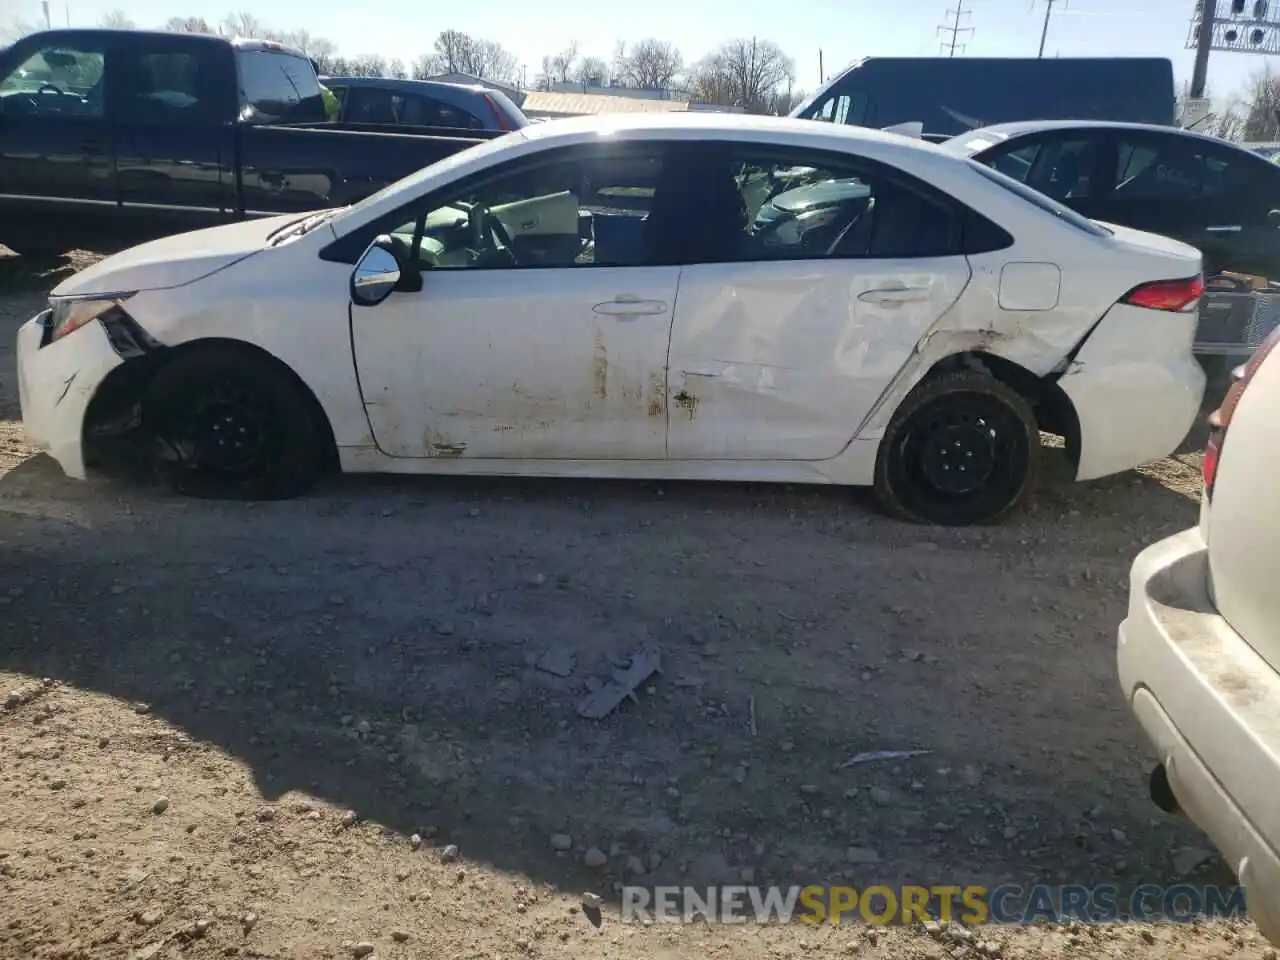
x: 1262, y: 96
x: 368, y: 65
x: 649, y: 65
x: 397, y: 69
x: 493, y: 61
x: 117, y: 20
x: 745, y: 73
x: 427, y: 65
x: 560, y: 65
x: 189, y: 25
x: 18, y: 28
x: 245, y: 24
x: 591, y: 72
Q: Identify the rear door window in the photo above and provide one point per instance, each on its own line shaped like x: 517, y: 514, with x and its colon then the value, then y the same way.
x: 278, y: 87
x: 158, y: 82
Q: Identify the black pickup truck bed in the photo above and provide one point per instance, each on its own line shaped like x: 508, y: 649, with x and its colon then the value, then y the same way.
x: 110, y: 135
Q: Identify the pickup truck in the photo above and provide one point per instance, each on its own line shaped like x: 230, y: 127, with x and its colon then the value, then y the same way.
x: 123, y: 135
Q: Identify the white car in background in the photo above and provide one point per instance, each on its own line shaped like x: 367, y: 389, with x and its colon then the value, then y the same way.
x: 622, y: 297
x: 1199, y: 652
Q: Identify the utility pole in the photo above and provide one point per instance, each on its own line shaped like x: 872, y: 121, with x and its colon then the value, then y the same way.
x: 822, y: 77
x: 954, y: 30
x: 45, y: 6
x: 1204, y: 40
x: 1044, y: 33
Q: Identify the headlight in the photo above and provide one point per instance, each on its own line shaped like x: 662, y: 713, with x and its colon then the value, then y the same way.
x: 72, y: 313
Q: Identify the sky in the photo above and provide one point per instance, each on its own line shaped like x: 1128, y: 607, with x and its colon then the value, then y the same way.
x: 842, y: 30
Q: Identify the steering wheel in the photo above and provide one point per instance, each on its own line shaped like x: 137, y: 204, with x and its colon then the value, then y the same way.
x: 49, y: 86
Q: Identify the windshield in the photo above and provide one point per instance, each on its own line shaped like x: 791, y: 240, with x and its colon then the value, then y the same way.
x: 408, y: 184
x: 1047, y: 204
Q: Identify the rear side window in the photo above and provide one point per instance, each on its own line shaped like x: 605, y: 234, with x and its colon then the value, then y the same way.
x: 762, y: 203
x: 380, y: 105
x: 154, y: 85
x: 1177, y: 168
x: 277, y: 87
x: 1037, y: 199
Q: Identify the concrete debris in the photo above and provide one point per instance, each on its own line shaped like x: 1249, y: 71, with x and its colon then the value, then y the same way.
x: 643, y: 662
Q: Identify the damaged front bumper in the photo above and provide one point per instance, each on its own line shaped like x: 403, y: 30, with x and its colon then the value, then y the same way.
x: 57, y: 382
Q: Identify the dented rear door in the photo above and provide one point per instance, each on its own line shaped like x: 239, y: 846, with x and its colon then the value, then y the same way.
x: 779, y: 350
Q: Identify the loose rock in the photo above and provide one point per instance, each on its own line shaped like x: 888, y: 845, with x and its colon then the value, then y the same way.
x: 415, y: 841
x: 349, y: 818
x: 595, y: 857
x: 880, y: 796
x: 449, y: 854
x: 861, y: 855
x: 561, y: 841
x: 399, y: 936
x: 160, y: 806
x: 361, y: 949
x: 591, y: 901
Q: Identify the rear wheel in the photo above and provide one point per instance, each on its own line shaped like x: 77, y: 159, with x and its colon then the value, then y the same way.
x: 961, y: 449
x: 230, y: 424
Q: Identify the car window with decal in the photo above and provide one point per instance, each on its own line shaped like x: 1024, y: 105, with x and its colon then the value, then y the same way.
x: 1177, y: 168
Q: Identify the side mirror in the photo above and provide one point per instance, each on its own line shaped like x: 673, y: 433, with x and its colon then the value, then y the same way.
x: 1273, y: 217
x: 383, y: 268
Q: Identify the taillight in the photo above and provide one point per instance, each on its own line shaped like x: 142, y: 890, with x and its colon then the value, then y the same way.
x: 499, y: 117
x: 1170, y: 295
x: 1220, y: 419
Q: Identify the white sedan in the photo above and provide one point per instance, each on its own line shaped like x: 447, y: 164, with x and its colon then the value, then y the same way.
x: 708, y: 296
x: 1199, y: 652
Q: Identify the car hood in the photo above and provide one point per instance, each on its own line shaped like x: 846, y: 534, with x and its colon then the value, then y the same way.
x: 820, y: 195
x: 175, y: 261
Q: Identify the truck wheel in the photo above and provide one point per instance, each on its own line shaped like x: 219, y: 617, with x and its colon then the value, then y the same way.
x: 230, y: 424
x: 961, y: 449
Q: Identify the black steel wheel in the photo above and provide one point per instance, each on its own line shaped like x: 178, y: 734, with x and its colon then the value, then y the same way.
x: 960, y: 450
x: 229, y: 423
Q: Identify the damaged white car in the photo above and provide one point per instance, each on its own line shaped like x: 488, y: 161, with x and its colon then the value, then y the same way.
x: 704, y: 296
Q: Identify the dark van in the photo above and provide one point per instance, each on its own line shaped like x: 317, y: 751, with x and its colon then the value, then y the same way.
x: 950, y: 95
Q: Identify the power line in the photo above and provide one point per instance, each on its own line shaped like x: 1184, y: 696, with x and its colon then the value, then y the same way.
x: 954, y: 30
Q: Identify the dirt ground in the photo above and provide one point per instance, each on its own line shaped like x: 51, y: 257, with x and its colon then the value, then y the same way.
x: 319, y: 728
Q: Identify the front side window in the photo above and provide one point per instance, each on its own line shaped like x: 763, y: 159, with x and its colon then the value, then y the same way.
x: 63, y: 80
x: 761, y: 205
x: 277, y: 87
x: 585, y: 208
x: 1061, y: 168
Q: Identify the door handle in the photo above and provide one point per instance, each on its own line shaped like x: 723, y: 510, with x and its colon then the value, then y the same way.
x: 1231, y: 228
x: 528, y: 224
x: 630, y: 308
x: 895, y: 295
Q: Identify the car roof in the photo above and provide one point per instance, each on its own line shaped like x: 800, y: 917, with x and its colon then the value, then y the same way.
x: 72, y: 34
x: 398, y: 83
x: 689, y: 125
x: 1020, y: 128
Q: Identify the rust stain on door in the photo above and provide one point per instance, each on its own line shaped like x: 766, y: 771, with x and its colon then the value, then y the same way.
x: 600, y: 366
x: 688, y: 402
x: 437, y: 445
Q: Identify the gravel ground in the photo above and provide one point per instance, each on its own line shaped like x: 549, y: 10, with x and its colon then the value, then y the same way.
x: 322, y: 728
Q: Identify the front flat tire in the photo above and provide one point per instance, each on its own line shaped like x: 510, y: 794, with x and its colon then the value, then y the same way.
x: 230, y: 424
